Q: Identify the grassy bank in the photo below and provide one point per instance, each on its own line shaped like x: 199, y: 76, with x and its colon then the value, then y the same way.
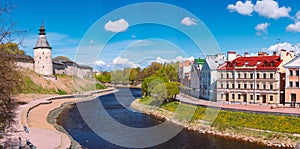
x: 259, y: 127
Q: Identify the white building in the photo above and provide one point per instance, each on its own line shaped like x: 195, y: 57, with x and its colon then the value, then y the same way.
x: 209, y: 76
x: 43, y: 64
x: 43, y: 54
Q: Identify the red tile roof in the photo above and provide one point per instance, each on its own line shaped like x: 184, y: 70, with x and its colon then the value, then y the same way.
x: 249, y: 63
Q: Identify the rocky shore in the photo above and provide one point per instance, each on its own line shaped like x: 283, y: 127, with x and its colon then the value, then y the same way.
x: 276, y: 139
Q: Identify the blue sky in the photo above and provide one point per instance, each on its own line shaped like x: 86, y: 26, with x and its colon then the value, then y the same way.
x: 235, y: 25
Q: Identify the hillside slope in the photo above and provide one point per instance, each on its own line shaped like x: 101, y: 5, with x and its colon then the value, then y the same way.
x: 36, y: 84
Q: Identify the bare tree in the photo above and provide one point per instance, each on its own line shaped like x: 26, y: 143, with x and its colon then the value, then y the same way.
x: 10, y: 81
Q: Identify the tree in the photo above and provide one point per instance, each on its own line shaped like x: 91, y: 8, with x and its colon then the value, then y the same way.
x: 172, y: 90
x: 150, y: 83
x: 10, y: 85
x: 12, y: 48
x: 166, y: 92
x: 10, y: 82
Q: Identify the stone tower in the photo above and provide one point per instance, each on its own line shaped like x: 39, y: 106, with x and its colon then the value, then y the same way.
x: 43, y: 54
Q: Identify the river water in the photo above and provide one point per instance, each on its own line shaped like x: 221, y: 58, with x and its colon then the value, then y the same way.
x: 72, y: 121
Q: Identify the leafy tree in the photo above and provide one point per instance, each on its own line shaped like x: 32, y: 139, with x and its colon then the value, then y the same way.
x: 166, y: 92
x: 105, y: 77
x: 12, y: 48
x: 150, y: 83
x: 172, y: 90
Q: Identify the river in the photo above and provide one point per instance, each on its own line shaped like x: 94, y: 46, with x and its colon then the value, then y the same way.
x: 71, y: 120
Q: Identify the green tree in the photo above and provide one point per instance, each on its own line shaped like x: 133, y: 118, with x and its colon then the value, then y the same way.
x: 105, y: 77
x: 12, y: 48
x: 150, y: 83
x: 172, y: 90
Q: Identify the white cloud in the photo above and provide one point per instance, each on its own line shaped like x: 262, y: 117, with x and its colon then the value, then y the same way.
x: 99, y: 63
x: 297, y: 16
x: 177, y: 59
x: 120, y: 62
x: 293, y: 27
x: 116, y: 26
x: 265, y: 8
x: 262, y: 28
x: 271, y: 9
x: 188, y: 21
x: 242, y: 8
x: 285, y: 45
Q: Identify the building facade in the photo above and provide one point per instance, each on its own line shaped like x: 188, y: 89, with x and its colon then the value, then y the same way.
x: 208, y: 76
x: 292, y: 88
x: 195, y: 77
x: 252, y: 79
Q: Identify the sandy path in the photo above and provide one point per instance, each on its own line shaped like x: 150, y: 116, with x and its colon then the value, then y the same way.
x: 37, y: 117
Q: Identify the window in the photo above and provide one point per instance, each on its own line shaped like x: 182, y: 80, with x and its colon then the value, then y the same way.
x: 221, y: 96
x: 271, y: 86
x: 222, y: 75
x: 291, y: 72
x: 297, y: 72
x: 257, y: 86
x: 46, y: 57
x: 265, y: 86
x: 265, y: 76
x: 251, y: 75
x: 245, y: 75
x: 251, y: 97
x: 271, y: 97
x: 233, y: 96
x: 40, y: 57
x: 291, y: 84
x: 222, y: 85
x: 239, y: 86
x: 227, y: 76
x: 245, y: 86
x: 297, y: 84
x: 227, y: 85
x: 257, y: 76
x: 233, y: 86
x: 239, y: 75
x: 43, y: 66
x: 271, y: 75
x: 257, y: 97
x: 239, y: 96
x: 251, y: 86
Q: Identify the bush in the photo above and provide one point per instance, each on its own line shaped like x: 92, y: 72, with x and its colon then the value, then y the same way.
x: 61, y: 92
x: 100, y: 86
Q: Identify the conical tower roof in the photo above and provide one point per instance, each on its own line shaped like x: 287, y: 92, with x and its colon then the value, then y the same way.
x: 42, y: 40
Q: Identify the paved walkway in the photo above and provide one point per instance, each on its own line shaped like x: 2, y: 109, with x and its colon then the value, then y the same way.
x: 237, y: 106
x: 42, y: 137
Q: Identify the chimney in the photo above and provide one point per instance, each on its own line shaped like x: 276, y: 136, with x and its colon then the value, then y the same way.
x: 246, y: 54
x: 231, y: 55
x: 275, y: 53
x: 282, y: 54
x: 262, y: 54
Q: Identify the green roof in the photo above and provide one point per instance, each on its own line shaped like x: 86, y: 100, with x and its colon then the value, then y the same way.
x: 200, y: 61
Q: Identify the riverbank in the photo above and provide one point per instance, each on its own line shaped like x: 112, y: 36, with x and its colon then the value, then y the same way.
x: 35, y: 114
x: 269, y: 138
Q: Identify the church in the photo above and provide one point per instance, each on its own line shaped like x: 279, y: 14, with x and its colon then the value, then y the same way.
x: 44, y: 64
